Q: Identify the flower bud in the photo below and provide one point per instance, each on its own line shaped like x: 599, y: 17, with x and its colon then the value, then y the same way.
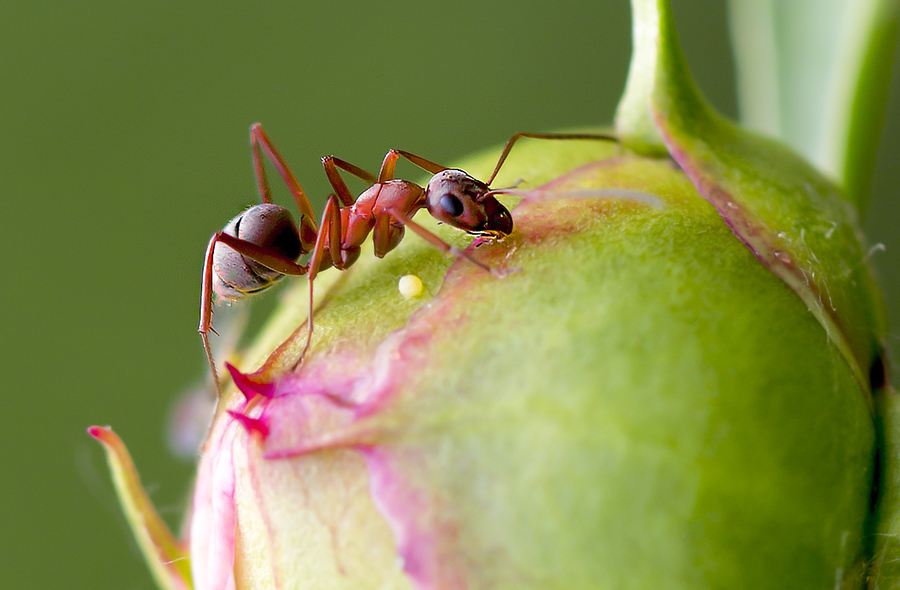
x: 665, y: 385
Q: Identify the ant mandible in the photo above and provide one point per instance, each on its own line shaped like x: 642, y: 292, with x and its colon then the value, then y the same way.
x: 262, y: 244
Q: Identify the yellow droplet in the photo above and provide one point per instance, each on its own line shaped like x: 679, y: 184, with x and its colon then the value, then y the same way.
x: 410, y: 286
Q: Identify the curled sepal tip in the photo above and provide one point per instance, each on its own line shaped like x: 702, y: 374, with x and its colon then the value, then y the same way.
x: 251, y: 425
x: 166, y: 557
x: 249, y: 386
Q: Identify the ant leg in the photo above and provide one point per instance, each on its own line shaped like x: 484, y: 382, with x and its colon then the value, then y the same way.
x: 387, y: 233
x: 390, y: 163
x: 331, y: 165
x: 331, y: 231
x: 206, y: 309
x: 259, y: 139
x: 436, y: 241
x: 257, y: 253
x: 512, y: 141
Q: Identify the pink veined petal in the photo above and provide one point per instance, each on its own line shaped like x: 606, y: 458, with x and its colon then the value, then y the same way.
x: 213, y: 522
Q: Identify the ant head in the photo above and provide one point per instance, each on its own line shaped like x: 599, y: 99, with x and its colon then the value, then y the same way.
x: 454, y: 197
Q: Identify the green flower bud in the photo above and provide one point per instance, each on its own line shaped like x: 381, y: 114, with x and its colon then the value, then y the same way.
x: 666, y: 385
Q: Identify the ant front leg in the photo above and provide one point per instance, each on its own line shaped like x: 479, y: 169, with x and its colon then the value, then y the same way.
x: 331, y: 165
x: 512, y: 141
x: 390, y: 163
x: 436, y: 241
x: 268, y: 258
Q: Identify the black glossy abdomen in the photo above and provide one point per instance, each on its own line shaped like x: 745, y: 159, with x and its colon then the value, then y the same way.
x: 268, y: 225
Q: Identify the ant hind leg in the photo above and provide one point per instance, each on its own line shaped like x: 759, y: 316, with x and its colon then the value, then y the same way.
x: 260, y: 142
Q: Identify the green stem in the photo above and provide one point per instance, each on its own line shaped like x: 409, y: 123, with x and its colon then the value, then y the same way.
x: 634, y: 119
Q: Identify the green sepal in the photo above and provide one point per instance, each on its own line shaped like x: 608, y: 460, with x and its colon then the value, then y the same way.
x: 884, y: 570
x: 797, y: 223
x: 165, y: 555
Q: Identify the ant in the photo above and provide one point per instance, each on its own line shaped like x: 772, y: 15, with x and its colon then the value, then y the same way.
x: 262, y: 244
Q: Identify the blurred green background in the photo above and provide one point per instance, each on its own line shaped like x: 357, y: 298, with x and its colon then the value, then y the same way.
x: 125, y: 147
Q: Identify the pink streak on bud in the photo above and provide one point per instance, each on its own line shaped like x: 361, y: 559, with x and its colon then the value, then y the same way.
x: 251, y: 425
x: 335, y: 402
x: 425, y: 543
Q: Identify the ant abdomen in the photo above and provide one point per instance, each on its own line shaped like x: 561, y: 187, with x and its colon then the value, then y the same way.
x: 268, y: 225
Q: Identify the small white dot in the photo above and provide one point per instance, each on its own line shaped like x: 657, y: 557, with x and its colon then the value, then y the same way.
x: 410, y: 286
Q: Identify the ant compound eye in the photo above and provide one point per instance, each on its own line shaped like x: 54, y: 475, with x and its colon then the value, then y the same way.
x: 452, y: 205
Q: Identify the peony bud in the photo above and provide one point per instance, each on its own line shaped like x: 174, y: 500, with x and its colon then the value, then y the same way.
x: 666, y: 386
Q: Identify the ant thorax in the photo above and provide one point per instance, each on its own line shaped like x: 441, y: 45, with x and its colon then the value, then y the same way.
x: 380, y: 198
